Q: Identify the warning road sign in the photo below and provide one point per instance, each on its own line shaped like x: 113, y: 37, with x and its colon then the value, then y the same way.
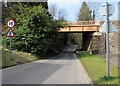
x: 10, y: 33
x: 10, y: 23
x: 112, y: 28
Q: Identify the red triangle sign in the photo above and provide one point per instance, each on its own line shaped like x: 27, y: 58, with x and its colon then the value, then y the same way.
x: 10, y: 33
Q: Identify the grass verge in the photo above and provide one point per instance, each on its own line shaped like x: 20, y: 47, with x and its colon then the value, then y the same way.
x: 96, y: 69
x: 17, y: 58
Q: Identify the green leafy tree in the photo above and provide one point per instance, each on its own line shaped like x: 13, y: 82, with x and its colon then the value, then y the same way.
x: 35, y: 30
x: 12, y: 6
x: 85, y: 13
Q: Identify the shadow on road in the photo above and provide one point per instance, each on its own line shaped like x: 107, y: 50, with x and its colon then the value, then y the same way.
x: 31, y: 75
x: 68, y: 53
x: 64, y: 68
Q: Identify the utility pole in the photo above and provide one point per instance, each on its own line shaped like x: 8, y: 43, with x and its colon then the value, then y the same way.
x: 107, y: 42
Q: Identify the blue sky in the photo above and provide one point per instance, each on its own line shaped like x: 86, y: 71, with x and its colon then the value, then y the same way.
x: 72, y: 8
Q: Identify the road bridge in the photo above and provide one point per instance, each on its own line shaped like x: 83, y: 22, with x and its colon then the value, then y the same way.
x: 85, y: 27
x: 81, y: 26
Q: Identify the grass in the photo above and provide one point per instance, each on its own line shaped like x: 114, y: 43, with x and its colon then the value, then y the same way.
x: 17, y: 58
x: 96, y: 69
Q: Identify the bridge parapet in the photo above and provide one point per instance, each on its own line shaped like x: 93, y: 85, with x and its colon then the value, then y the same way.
x: 84, y: 23
x: 80, y: 28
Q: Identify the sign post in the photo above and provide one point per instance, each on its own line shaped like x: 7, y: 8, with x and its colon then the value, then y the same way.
x: 10, y: 48
x: 10, y: 34
x: 107, y: 42
x: 107, y: 10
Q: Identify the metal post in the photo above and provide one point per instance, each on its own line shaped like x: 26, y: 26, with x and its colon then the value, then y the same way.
x: 10, y: 48
x: 107, y: 42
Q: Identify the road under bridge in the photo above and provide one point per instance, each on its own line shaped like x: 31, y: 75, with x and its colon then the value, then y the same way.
x: 87, y: 28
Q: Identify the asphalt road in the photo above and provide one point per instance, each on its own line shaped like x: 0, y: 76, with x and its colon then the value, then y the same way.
x: 62, y: 69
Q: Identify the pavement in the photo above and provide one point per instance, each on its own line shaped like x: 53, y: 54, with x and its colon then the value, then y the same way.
x: 64, y: 68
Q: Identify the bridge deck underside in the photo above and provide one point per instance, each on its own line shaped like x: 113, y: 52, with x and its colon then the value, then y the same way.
x: 80, y: 28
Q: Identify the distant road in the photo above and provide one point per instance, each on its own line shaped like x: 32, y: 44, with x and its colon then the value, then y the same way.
x: 62, y: 69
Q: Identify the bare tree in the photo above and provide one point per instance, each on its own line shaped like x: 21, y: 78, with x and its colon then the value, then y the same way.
x: 56, y: 13
x: 61, y: 14
x: 53, y: 10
